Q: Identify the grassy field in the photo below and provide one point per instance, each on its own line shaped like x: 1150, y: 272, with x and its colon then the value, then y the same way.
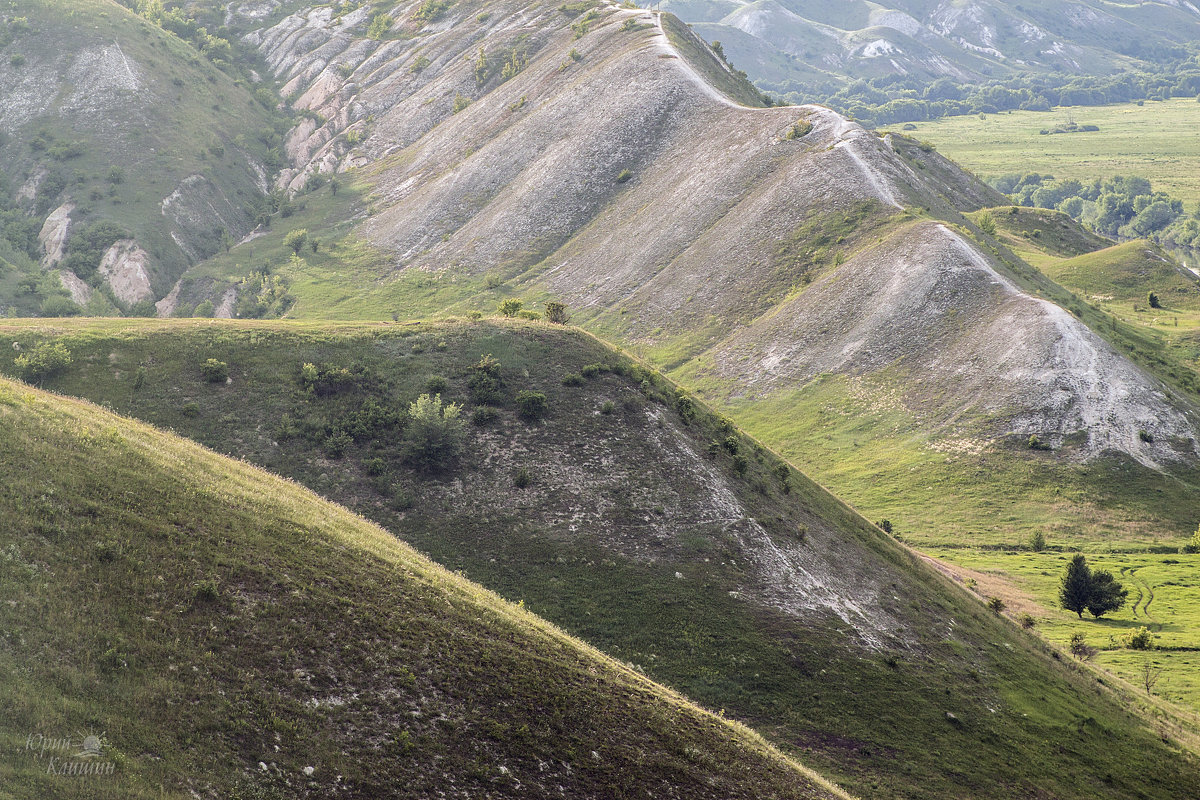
x: 878, y: 724
x: 1156, y: 141
x: 198, y: 616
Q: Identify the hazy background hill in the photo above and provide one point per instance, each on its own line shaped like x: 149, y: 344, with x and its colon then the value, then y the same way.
x: 815, y: 48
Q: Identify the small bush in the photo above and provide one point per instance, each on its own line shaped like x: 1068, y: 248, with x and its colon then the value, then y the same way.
x: 296, y: 239
x: 607, y: 407
x: 1037, y: 542
x: 43, y: 361
x: 214, y: 371
x: 731, y: 443
x: 461, y: 101
x: 375, y: 466
x: 1080, y: 648
x: 572, y: 379
x: 206, y: 591
x: 1035, y: 443
x: 436, y: 385
x: 685, y: 407
x: 205, y: 309
x: 485, y: 381
x: 435, y: 432
x: 403, y: 500
x: 996, y: 605
x: 522, y: 480
x: 556, y: 312
x: 1140, y: 639
x: 190, y: 410
x: 526, y: 314
x: 624, y: 175
x: 484, y: 415
x: 1153, y: 300
x: 510, y: 307
x: 740, y: 464
x: 336, y: 443
x: 1027, y: 621
x: 592, y: 370
x: 885, y: 525
x: 531, y: 405
x: 799, y: 129
x: 987, y: 224
x: 1145, y: 436
x: 58, y: 306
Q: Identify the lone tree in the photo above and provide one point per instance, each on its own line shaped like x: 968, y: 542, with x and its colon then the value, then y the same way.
x: 1083, y: 590
x: 296, y: 240
x: 556, y: 312
x: 1153, y: 300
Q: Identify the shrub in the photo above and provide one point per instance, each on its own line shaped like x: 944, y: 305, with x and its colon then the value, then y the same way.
x: 731, y: 443
x: 885, y: 525
x: 799, y: 129
x: 556, y: 312
x: 43, y: 361
x: 436, y: 384
x: 685, y: 406
x: 607, y: 407
x: 784, y: 473
x: 485, y: 382
x: 531, y: 405
x: 435, y: 432
x: 996, y: 605
x: 1140, y: 639
x: 1035, y: 443
x: 484, y: 415
x: 987, y: 224
x: 572, y: 379
x: 205, y: 309
x: 1153, y: 300
x: 58, y: 306
x: 1037, y: 542
x: 624, y: 175
x: 375, y: 466
x: 1027, y: 621
x: 214, y: 371
x: 1145, y: 436
x: 526, y: 314
x: 592, y: 370
x: 296, y: 239
x: 206, y: 591
x: 510, y: 307
x: 521, y: 480
x: 336, y: 443
x: 461, y: 101
x: 1193, y: 544
x: 1080, y: 648
x: 403, y: 500
x: 190, y: 410
x: 740, y: 464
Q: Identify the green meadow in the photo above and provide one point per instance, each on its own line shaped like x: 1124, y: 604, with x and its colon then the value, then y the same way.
x: 1156, y: 140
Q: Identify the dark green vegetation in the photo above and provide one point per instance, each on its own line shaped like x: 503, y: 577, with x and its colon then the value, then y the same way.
x: 1125, y: 207
x: 952, y: 699
x: 226, y: 631
x: 1095, y: 592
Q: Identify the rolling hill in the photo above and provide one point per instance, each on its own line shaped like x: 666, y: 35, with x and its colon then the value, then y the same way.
x: 652, y: 528
x: 798, y: 45
x: 219, y: 631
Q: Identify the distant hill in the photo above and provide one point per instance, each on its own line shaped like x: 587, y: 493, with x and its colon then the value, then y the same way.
x: 126, y: 155
x: 639, y: 520
x: 217, y: 630
x: 808, y: 45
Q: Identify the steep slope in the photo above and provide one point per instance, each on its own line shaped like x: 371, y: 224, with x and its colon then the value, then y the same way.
x: 126, y: 154
x: 652, y: 528
x: 963, y: 41
x: 607, y: 171
x: 195, y: 626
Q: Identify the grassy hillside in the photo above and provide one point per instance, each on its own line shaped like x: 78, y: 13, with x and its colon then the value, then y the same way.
x: 224, y: 631
x: 1153, y: 141
x: 636, y: 530
x: 1126, y: 274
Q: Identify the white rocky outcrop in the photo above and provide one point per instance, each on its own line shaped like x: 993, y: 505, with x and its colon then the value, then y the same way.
x: 53, y: 236
x: 126, y: 267
x: 80, y: 292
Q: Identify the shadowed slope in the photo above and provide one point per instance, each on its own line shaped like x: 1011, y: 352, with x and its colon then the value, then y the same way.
x: 202, y: 616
